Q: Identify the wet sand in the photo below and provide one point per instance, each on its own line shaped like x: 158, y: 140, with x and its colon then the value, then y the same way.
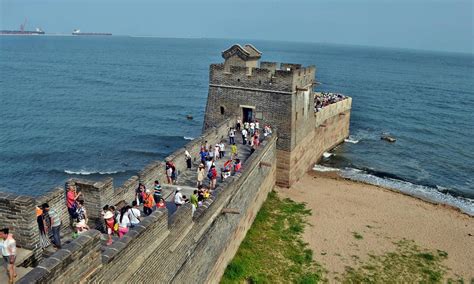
x: 341, y: 208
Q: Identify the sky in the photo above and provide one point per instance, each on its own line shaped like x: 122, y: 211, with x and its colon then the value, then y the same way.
x: 441, y: 25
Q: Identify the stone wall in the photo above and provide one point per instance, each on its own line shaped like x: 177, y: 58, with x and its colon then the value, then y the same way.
x: 184, y: 249
x: 270, y: 108
x: 18, y: 212
x: 71, y: 264
x: 329, y: 128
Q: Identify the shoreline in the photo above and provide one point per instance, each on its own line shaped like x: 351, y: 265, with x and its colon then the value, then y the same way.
x: 336, y: 176
x: 352, y: 221
x: 430, y: 197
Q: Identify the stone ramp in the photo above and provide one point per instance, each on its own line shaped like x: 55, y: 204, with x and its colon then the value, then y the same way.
x: 188, y: 177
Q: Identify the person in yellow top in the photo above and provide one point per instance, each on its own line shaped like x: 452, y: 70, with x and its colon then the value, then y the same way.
x: 233, y: 151
x: 148, y: 203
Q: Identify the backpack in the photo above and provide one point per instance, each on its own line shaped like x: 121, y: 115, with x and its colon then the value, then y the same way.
x: 209, y: 174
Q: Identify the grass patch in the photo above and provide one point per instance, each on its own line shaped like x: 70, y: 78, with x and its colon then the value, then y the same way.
x: 357, y: 236
x: 407, y: 264
x: 273, y: 250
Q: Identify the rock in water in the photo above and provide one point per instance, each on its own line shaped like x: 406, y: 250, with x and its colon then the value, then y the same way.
x: 189, y: 117
x: 388, y: 138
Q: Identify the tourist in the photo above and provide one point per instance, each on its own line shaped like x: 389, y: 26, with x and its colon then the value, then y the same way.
x: 221, y: 150
x: 82, y: 218
x: 246, y: 125
x: 209, y: 163
x: 43, y: 229
x: 200, y: 174
x: 55, y: 224
x: 139, y: 192
x: 204, y: 154
x: 231, y: 136
x: 237, y: 166
x: 188, y: 159
x: 71, y: 201
x: 200, y: 194
x: 80, y: 229
x: 169, y: 173
x: 217, y: 151
x: 257, y: 125
x: 238, y: 124
x: 134, y: 214
x: 161, y: 203
x: 9, y: 254
x: 110, y: 225
x: 123, y: 221
x: 178, y: 198
x: 212, y: 175
x: 157, y: 191
x: 148, y: 203
x: 252, y: 128
x: 244, y: 136
x: 194, y: 201
x: 226, y: 171
x: 103, y: 227
x: 233, y: 151
x: 174, y: 173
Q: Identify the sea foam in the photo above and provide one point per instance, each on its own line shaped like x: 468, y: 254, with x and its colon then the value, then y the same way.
x: 87, y: 173
x: 426, y: 193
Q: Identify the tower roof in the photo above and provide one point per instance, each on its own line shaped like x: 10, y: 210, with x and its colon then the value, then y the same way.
x: 248, y: 52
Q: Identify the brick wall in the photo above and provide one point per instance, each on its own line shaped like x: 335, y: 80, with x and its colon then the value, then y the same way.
x: 330, y: 127
x: 177, y: 251
x: 71, y: 264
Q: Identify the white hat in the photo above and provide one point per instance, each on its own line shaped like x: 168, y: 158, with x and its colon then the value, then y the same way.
x: 178, y: 189
x: 108, y: 215
x: 148, y: 191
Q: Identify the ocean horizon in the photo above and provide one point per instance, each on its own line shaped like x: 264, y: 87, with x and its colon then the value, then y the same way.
x: 95, y: 107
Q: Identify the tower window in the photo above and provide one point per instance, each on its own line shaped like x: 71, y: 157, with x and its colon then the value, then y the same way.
x: 222, y: 110
x: 238, y: 80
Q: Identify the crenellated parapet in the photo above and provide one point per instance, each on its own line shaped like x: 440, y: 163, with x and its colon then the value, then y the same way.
x: 270, y: 76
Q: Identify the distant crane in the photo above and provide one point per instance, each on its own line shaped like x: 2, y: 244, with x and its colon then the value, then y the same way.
x: 22, y: 26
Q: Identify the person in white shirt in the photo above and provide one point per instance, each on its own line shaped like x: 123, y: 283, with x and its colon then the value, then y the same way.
x: 8, y: 253
x: 123, y: 221
x: 134, y: 214
x: 178, y: 198
x: 216, y: 151
x: 221, y: 150
x: 252, y: 128
x: 257, y: 125
x: 244, y: 136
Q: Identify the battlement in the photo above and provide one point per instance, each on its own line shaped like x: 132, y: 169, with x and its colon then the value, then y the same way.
x: 270, y: 76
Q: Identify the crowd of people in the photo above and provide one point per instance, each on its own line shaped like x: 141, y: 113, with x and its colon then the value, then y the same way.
x: 118, y: 222
x: 325, y: 99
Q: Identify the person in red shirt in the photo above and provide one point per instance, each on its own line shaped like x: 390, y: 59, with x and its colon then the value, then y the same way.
x: 71, y: 201
x: 161, y: 204
x: 213, y: 177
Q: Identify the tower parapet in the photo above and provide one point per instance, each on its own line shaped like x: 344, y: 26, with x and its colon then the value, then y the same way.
x: 278, y: 94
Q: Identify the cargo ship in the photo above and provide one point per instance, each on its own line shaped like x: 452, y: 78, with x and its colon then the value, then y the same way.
x: 79, y: 33
x: 22, y: 31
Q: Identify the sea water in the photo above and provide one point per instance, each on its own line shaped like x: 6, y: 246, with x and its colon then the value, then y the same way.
x: 105, y: 106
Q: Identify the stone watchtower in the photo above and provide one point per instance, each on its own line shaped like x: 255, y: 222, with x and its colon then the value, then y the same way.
x: 280, y: 95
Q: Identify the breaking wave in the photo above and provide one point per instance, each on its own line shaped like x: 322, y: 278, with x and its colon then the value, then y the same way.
x: 430, y: 193
x: 327, y: 155
x: 87, y: 173
x: 188, y: 138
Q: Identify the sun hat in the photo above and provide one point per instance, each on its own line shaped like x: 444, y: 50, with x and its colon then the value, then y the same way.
x: 178, y: 189
x: 148, y: 191
x: 108, y: 215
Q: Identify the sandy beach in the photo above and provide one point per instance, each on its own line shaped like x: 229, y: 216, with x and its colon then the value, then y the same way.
x: 352, y: 220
